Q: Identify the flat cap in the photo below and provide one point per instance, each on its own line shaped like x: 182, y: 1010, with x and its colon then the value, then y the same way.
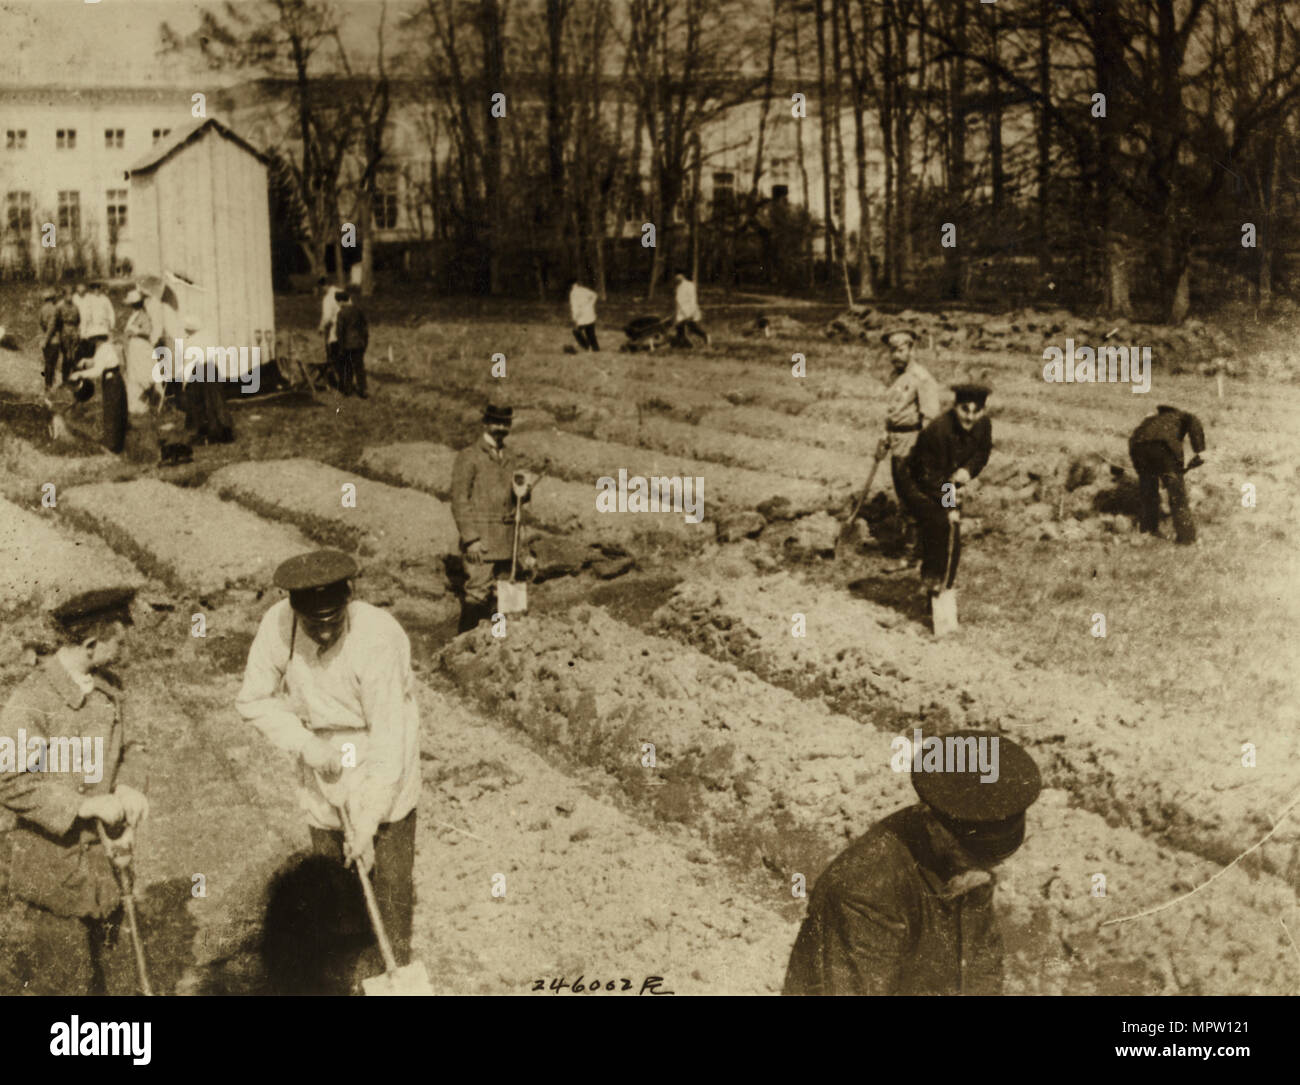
x: 89, y: 606
x: 979, y: 785
x: 889, y: 333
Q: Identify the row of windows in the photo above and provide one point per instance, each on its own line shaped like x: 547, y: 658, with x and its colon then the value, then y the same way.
x: 65, y: 139
x: 18, y: 210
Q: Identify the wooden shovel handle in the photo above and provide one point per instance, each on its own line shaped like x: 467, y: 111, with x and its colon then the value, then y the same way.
x: 127, y: 885
x: 372, y: 905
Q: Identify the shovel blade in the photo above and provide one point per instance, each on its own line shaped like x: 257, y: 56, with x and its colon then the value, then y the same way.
x: 512, y: 596
x: 410, y: 979
x: 943, y: 612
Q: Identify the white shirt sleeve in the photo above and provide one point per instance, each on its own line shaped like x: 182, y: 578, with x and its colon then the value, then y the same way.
x: 260, y: 701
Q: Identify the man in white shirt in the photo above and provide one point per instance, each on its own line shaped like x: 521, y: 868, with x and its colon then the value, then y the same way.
x: 687, y: 317
x: 582, y: 308
x: 329, y: 312
x: 98, y: 320
x: 329, y: 680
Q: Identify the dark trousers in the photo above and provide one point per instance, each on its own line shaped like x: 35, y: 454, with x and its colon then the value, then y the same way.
x: 585, y: 334
x: 352, y: 372
x: 335, y: 363
x: 931, y: 516
x: 1156, y: 464
x: 394, y: 883
x: 70, y: 348
x: 683, y: 339
x: 66, y: 955
x: 50, y: 353
x: 897, y: 469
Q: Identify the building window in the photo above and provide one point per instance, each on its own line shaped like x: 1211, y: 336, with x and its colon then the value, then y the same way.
x: 65, y: 139
x: 780, y: 192
x: 385, y: 207
x: 159, y: 134
x: 70, y: 212
x: 114, y: 138
x: 116, y: 207
x: 16, y: 139
x: 18, y: 212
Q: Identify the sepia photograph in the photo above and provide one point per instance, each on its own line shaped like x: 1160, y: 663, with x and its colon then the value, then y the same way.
x: 651, y: 497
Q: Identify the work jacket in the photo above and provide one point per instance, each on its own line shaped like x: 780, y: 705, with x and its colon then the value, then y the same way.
x: 945, y: 448
x: 1168, y: 426
x: 687, y: 305
x: 69, y: 317
x: 910, y: 404
x: 58, y: 861
x: 482, y: 500
x: 882, y: 920
x: 352, y: 328
x: 50, y: 326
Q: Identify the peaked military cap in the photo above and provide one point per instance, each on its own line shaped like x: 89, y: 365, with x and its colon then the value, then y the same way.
x: 986, y: 815
x: 112, y: 604
x: 317, y: 582
x: 496, y: 412
x: 889, y: 333
x: 975, y: 387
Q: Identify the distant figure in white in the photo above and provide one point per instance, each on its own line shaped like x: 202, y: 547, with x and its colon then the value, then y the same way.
x: 686, y: 319
x: 582, y: 308
x: 138, y: 374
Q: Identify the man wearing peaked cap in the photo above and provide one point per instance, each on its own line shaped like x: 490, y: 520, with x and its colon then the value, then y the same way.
x: 51, y: 329
x: 329, y: 680
x: 950, y: 452
x: 68, y: 919
x: 907, y: 909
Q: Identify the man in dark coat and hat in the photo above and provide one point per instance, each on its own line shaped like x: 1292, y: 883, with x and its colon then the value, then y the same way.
x: 907, y: 908
x: 483, y: 502
x: 951, y: 451
x: 67, y: 765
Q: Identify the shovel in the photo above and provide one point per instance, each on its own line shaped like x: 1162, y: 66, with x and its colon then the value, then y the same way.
x: 943, y: 604
x: 126, y: 882
x: 407, y: 979
x: 848, y: 524
x: 512, y: 595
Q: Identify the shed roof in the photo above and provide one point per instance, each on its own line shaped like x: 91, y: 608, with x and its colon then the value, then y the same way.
x: 179, y: 137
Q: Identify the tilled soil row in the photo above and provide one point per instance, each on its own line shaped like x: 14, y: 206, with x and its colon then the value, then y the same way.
x: 190, y: 538
x: 44, y: 561
x: 389, y: 522
x: 1111, y: 754
x: 780, y: 782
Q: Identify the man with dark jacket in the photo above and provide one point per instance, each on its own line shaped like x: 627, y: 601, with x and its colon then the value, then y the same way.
x: 1156, y: 449
x: 353, y: 338
x: 483, y: 503
x: 50, y: 336
x: 907, y: 909
x: 951, y: 451
x: 69, y: 317
x: 70, y: 903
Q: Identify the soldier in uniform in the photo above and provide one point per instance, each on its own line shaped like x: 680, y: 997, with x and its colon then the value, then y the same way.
x: 483, y: 503
x: 1156, y: 449
x: 907, y: 908
x: 67, y: 930
x: 51, y: 330
x: 69, y: 318
x: 329, y: 681
x: 949, y: 453
x: 911, y: 403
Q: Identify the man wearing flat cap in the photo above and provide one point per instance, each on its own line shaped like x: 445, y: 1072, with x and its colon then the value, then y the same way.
x: 1156, y: 449
x: 950, y: 452
x: 907, y: 909
x: 483, y: 503
x: 329, y: 681
x: 65, y: 764
x: 910, y: 404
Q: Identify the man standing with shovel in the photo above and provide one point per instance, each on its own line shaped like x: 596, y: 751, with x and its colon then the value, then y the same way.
x: 951, y: 451
x: 911, y: 403
x: 329, y: 681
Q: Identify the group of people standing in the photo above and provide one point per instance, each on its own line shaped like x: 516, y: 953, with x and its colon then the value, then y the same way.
x: 74, y: 322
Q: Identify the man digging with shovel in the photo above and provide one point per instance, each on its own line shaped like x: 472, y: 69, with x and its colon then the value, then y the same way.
x: 951, y: 451
x: 329, y: 680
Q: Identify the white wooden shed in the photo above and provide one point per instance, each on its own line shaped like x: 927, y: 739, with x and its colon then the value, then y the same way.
x: 200, y: 221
